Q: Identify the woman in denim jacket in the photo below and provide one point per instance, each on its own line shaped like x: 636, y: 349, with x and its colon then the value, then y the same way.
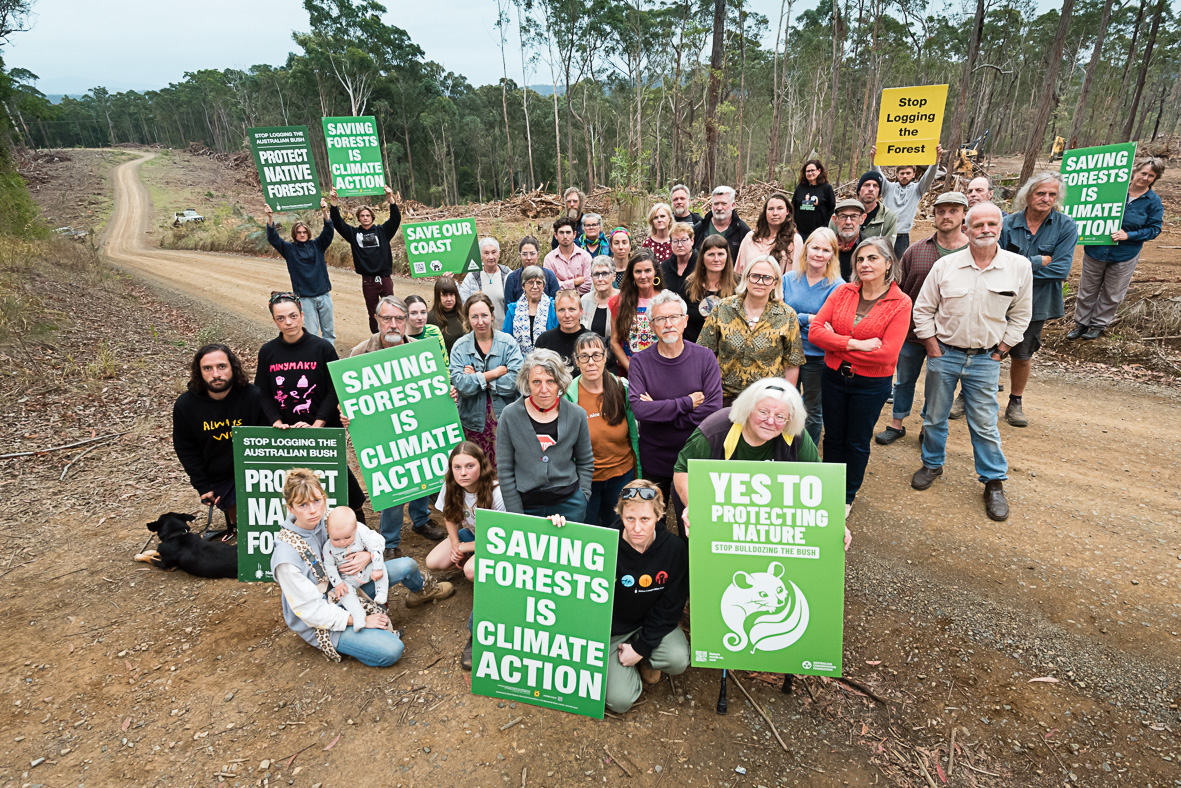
x: 484, y: 365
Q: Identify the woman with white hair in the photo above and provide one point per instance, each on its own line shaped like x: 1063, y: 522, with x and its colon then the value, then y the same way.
x: 533, y: 313
x: 596, y: 311
x: 860, y: 328
x: 489, y: 280
x: 544, y: 457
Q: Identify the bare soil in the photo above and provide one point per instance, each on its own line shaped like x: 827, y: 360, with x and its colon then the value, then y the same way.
x: 118, y: 674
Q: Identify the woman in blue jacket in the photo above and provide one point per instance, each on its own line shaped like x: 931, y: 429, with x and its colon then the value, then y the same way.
x: 1107, y: 270
x: 484, y: 366
x: 308, y: 271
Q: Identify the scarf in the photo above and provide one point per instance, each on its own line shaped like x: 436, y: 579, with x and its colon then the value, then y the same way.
x: 521, y: 322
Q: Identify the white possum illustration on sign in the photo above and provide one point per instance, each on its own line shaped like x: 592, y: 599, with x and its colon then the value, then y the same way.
x: 762, y: 611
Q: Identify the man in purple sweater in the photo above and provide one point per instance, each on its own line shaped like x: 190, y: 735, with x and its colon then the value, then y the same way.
x: 672, y: 386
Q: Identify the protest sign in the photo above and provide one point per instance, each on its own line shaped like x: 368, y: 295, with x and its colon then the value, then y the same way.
x: 354, y: 156
x: 1097, y: 181
x: 909, y: 124
x: 767, y: 565
x: 541, y: 621
x: 286, y: 168
x: 402, y: 419
x: 262, y: 458
x: 449, y: 246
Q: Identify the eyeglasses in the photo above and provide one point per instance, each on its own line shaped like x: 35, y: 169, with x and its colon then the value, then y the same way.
x: 391, y: 318
x: 847, y: 217
x: 765, y: 415
x: 533, y: 283
x: 277, y: 297
x: 760, y: 279
x: 602, y: 275
x: 643, y: 493
x: 662, y: 319
x: 682, y: 241
x: 584, y: 358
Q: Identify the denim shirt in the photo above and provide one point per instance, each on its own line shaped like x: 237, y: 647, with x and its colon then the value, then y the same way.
x: 1055, y: 240
x: 470, y: 385
x: 1142, y: 222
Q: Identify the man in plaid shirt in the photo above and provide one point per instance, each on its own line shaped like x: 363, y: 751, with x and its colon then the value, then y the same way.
x: 916, y: 263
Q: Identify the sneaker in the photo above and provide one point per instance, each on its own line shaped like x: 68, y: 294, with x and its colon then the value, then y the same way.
x: 889, y: 435
x: 848, y: 508
x: 924, y: 477
x: 1076, y: 332
x: 391, y: 553
x: 1014, y: 415
x: 649, y: 675
x: 432, y: 590
x: 430, y: 531
x: 1093, y: 332
x: 957, y: 407
x: 465, y: 659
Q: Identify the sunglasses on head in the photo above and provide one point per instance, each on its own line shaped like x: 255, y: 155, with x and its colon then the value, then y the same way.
x: 277, y: 297
x: 643, y: 493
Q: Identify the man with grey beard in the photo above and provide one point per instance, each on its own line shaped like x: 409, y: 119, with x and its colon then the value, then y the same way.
x: 391, y: 331
x: 722, y: 220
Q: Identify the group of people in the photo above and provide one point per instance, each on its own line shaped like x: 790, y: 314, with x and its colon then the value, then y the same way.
x: 587, y: 379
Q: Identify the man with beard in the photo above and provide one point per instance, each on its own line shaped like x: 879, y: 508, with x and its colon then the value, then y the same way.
x: 391, y: 320
x: 903, y: 196
x: 680, y: 199
x: 219, y: 398
x: 723, y: 220
x: 879, y: 220
x: 974, y: 307
x: 846, y: 222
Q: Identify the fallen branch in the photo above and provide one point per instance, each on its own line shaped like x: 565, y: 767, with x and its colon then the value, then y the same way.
x: 859, y: 687
x: 1174, y: 336
x: 922, y: 767
x: 616, y: 761
x: 511, y: 723
x: 74, y: 572
x: 70, y: 464
x: 951, y: 752
x: 759, y: 709
x: 18, y: 566
x: 981, y: 771
x: 60, y: 448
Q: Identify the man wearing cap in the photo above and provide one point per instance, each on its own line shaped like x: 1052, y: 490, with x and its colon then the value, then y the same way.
x: 974, y: 306
x: 879, y: 220
x: 902, y: 197
x: 917, y: 260
x: 846, y: 222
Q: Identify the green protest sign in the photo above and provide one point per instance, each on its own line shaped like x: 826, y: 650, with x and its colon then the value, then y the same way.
x: 1097, y: 181
x: 402, y: 419
x: 541, y: 621
x: 354, y: 156
x: 286, y: 168
x: 262, y: 458
x: 449, y: 246
x: 767, y: 565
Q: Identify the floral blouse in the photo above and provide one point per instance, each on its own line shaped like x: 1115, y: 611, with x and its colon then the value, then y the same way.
x: 749, y: 353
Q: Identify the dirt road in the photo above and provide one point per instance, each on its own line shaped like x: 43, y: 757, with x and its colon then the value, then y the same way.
x: 236, y: 284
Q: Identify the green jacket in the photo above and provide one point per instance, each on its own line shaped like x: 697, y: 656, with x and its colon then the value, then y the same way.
x: 433, y: 331
x: 632, y: 431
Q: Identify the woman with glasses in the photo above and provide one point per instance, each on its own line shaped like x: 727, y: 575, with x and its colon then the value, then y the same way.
x: 814, y: 199
x: 533, y: 313
x: 596, y: 310
x: 621, y: 252
x: 614, y: 437
x: 677, y: 268
x: 774, y: 234
x: 708, y: 283
x: 660, y: 222
x: 527, y: 251
x: 630, y: 332
x: 860, y: 328
x: 753, y: 333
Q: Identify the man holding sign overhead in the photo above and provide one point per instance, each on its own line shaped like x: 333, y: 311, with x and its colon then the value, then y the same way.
x: 370, y: 242
x: 903, y: 196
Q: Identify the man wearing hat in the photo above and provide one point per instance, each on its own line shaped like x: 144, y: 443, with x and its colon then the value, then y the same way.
x: 903, y: 196
x: 917, y: 260
x: 879, y: 220
x: 846, y: 222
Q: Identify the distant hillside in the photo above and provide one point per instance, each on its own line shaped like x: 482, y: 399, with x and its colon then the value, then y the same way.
x: 56, y: 98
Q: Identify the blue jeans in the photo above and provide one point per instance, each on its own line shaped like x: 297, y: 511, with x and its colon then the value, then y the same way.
x: 901, y: 242
x: 851, y: 409
x: 910, y: 364
x: 809, y: 385
x: 977, y: 376
x: 379, y: 648
x: 573, y: 508
x: 600, y: 509
x: 317, y: 316
x: 391, y: 519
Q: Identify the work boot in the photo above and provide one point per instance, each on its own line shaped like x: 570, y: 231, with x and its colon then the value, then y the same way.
x: 957, y: 407
x: 1076, y: 332
x: 995, y: 502
x: 924, y: 477
x: 430, y: 531
x: 889, y: 435
x: 432, y: 589
x: 391, y: 553
x: 1094, y: 332
x: 649, y: 675
x: 1014, y: 415
x: 465, y: 659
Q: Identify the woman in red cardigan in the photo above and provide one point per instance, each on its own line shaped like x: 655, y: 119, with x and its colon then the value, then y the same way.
x: 860, y: 328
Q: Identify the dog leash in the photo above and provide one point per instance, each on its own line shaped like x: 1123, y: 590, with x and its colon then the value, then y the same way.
x: 208, y: 521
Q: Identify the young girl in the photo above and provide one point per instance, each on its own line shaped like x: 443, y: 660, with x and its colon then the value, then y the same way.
x: 470, y: 484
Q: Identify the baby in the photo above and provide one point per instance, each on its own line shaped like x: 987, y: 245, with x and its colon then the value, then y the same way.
x: 346, y: 537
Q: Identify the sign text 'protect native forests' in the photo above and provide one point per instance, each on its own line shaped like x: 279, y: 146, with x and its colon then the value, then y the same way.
x: 286, y: 168
x: 1097, y: 181
x: 402, y: 419
x: 541, y: 621
x: 909, y: 124
x: 447, y: 247
x: 354, y: 156
x: 767, y: 565
x: 262, y: 458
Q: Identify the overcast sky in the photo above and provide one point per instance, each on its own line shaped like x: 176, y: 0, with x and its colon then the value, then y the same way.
x: 141, y: 45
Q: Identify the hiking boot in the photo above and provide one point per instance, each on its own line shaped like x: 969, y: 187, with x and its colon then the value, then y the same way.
x: 995, y: 502
x: 1014, y: 415
x: 391, y: 553
x: 430, y: 531
x: 957, y: 407
x: 889, y: 435
x: 1076, y: 332
x: 924, y: 477
x: 1094, y: 332
x: 465, y: 659
x: 432, y: 590
x: 649, y: 675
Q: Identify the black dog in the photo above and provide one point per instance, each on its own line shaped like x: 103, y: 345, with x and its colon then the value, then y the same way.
x: 182, y: 549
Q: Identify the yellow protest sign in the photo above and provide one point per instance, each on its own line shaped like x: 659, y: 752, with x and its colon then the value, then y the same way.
x: 909, y: 124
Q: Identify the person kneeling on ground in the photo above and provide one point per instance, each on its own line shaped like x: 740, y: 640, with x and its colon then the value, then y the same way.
x: 646, y: 637
x: 298, y: 570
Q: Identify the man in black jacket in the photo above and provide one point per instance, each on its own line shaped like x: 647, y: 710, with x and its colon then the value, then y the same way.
x: 370, y: 242
x: 292, y: 376
x: 219, y: 398
x: 723, y: 220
